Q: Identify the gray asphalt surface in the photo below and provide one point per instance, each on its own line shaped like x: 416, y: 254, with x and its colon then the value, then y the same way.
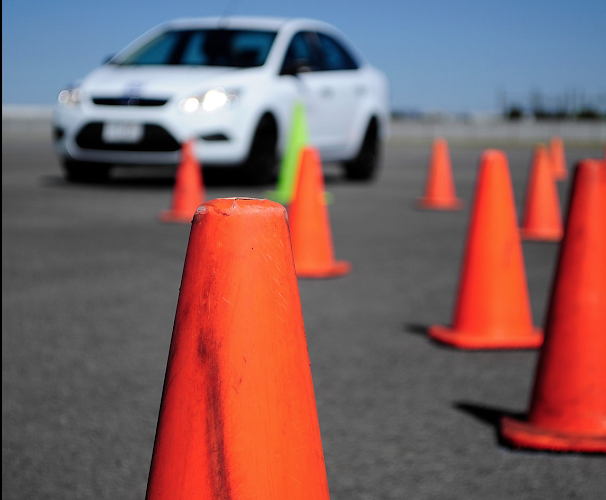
x: 90, y: 285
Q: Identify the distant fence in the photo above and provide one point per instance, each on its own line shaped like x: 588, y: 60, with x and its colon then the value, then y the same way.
x: 482, y: 130
x: 25, y: 118
x: 500, y: 131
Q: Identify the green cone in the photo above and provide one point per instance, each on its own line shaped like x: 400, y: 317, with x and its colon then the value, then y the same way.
x: 297, y: 140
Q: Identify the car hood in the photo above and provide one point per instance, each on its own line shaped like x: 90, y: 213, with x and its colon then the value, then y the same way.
x: 150, y: 81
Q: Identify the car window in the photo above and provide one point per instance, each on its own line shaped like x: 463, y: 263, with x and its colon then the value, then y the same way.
x: 205, y: 47
x: 334, y: 56
x: 301, y: 53
x: 193, y: 53
x: 159, y: 49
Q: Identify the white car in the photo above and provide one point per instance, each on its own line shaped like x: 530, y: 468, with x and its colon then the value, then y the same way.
x: 229, y: 84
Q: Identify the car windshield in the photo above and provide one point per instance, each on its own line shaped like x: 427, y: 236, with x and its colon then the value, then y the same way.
x: 204, y: 47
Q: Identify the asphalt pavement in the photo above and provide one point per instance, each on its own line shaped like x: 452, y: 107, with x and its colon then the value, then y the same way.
x: 89, y: 290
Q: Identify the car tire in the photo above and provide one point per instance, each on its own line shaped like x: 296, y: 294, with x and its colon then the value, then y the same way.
x: 261, y: 167
x: 365, y: 165
x: 83, y: 171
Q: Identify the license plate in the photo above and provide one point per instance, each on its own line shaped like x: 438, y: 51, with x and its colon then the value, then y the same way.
x: 122, y: 132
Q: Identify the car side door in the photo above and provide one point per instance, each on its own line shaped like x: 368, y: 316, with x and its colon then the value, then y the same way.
x: 302, y: 61
x: 342, y: 83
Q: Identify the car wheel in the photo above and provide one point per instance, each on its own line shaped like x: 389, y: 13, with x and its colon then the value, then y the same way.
x: 83, y: 171
x: 262, y: 164
x: 364, y: 166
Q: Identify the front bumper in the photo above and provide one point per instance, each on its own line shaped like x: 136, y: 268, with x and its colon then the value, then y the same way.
x: 220, y: 138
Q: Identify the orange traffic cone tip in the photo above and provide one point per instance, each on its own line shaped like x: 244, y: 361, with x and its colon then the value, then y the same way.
x: 568, y: 404
x: 558, y: 158
x: 238, y: 415
x: 440, y: 189
x: 188, y: 192
x: 542, y: 219
x: 309, y: 223
x: 493, y: 306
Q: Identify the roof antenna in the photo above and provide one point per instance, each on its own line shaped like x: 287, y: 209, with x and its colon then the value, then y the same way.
x: 230, y: 7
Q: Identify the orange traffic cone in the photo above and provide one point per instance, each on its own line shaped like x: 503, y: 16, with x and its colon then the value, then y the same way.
x: 558, y: 158
x: 493, y: 307
x: 309, y: 223
x: 542, y: 220
x: 188, y: 192
x: 238, y: 415
x: 440, y: 189
x: 568, y: 407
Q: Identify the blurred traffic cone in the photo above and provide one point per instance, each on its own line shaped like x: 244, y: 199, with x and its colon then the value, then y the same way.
x: 440, y: 189
x: 238, y: 416
x: 493, y: 307
x: 558, y: 158
x: 542, y: 220
x: 188, y: 192
x: 568, y: 406
x: 298, y: 138
x: 309, y: 223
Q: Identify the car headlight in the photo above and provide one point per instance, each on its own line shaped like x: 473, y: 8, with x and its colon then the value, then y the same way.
x: 212, y: 100
x: 70, y: 96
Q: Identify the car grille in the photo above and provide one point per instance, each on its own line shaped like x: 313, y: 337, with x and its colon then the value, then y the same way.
x: 155, y: 138
x: 128, y: 101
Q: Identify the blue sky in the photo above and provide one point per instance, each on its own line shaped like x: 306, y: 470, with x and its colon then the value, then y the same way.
x: 439, y: 55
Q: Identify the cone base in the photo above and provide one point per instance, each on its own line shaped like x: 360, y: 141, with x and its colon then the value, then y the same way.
x: 176, y: 217
x: 542, y: 234
x: 522, y: 434
x: 463, y: 340
x: 437, y: 204
x: 337, y: 268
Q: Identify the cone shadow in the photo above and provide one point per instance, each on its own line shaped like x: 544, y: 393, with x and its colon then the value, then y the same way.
x: 486, y: 414
x: 416, y: 328
x: 489, y: 416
